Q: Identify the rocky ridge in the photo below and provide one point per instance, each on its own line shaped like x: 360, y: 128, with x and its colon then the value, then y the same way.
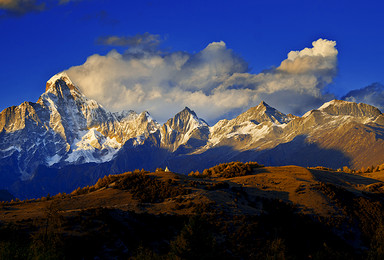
x: 65, y: 127
x: 64, y: 132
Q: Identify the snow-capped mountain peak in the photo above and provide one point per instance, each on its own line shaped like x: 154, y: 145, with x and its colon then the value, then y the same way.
x: 61, y: 77
x: 347, y: 108
x: 65, y: 127
x: 262, y: 113
x: 252, y: 125
x: 182, y: 128
x: 186, y: 120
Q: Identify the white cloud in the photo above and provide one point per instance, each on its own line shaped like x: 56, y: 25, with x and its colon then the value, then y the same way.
x: 321, y: 48
x: 372, y: 94
x: 214, y: 82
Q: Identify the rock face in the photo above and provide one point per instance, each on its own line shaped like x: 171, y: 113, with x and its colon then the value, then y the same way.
x: 64, y: 127
x: 184, y: 130
x: 66, y: 140
x: 339, y: 107
x: 339, y: 133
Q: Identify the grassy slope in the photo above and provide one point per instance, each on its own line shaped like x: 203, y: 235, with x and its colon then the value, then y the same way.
x: 339, y: 202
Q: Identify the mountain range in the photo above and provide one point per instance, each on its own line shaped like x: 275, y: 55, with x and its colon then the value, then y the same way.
x: 66, y: 140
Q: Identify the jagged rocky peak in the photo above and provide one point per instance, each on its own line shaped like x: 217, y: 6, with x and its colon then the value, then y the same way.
x: 262, y: 113
x: 185, y: 113
x: 16, y: 117
x: 185, y: 120
x: 59, y: 77
x: 263, y: 104
x: 347, y: 108
x: 185, y: 128
x: 125, y: 115
x: 146, y: 116
x: 145, y: 119
x: 61, y: 86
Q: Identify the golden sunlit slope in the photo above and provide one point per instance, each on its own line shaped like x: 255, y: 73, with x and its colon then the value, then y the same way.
x: 171, y: 193
x: 233, y: 210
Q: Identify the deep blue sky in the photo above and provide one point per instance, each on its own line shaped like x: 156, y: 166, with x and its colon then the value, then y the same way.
x: 36, y: 44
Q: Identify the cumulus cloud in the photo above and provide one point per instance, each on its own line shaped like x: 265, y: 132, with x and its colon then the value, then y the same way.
x: 214, y: 82
x: 372, y: 94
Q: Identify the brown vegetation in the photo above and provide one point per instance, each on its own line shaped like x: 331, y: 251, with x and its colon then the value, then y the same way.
x: 228, y: 170
x: 233, y: 211
x: 369, y: 169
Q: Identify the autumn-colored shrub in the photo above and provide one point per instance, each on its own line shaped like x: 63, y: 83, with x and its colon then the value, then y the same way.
x: 322, y: 168
x: 228, y: 170
x: 81, y: 191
